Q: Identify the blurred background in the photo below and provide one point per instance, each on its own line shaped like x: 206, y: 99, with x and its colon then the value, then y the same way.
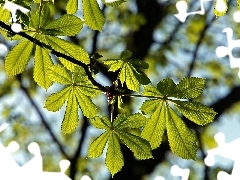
x: 175, y: 49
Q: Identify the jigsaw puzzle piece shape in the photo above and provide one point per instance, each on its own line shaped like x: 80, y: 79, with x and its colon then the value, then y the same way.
x: 182, y: 10
x: 227, y: 150
x: 177, y: 171
x: 222, y: 51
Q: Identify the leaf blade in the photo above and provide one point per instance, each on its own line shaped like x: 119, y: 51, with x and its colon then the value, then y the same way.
x: 182, y: 140
x: 70, y: 120
x: 42, y: 61
x: 66, y: 25
x: 57, y: 73
x: 93, y: 15
x: 17, y: 59
x: 114, y: 158
x: 56, y: 100
x: 196, y: 112
x: 97, y: 146
x: 139, y: 146
x: 155, y: 127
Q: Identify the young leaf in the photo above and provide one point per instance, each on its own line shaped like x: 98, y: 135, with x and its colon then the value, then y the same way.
x: 4, y: 14
x: 115, y: 64
x: 72, y: 6
x: 66, y: 25
x: 97, y: 146
x: 18, y: 57
x: 139, y: 146
x: 56, y: 100
x: 37, y: 21
x: 67, y: 64
x: 125, y: 55
x: 101, y: 123
x: 149, y: 106
x: 182, y: 140
x: 57, y: 73
x: 166, y: 86
x: 151, y: 91
x: 155, y: 127
x: 114, y: 158
x: 70, y: 120
x: 93, y: 15
x: 134, y: 121
x: 188, y: 88
x: 68, y: 48
x: 42, y: 61
x: 116, y: 130
x: 196, y: 112
x: 130, y: 71
x: 88, y: 108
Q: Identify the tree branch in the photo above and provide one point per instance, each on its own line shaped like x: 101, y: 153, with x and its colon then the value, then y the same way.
x: 44, y: 122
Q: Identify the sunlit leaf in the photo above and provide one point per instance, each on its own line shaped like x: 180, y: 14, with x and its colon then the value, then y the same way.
x: 72, y: 6
x: 66, y: 25
x: 154, y: 129
x: 18, y: 57
x: 70, y: 120
x: 97, y: 146
x: 93, y: 15
x: 114, y: 158
x: 182, y: 140
x: 139, y: 146
x: 42, y: 61
x: 57, y: 73
x: 196, y: 112
x: 56, y: 100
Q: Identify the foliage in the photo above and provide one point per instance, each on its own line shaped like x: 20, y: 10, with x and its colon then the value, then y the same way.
x: 73, y: 71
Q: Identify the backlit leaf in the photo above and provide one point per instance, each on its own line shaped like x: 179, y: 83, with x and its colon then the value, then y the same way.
x: 88, y: 108
x: 97, y: 146
x: 18, y: 57
x: 101, y: 122
x: 93, y: 15
x: 154, y: 129
x: 182, y: 140
x: 188, y: 88
x: 57, y: 73
x: 68, y: 49
x: 196, y: 112
x: 139, y: 146
x: 56, y: 100
x: 66, y: 25
x: 114, y: 158
x: 70, y: 120
x: 72, y: 6
x: 42, y: 61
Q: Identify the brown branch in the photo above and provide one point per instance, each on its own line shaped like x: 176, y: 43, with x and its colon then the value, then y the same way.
x: 43, y: 120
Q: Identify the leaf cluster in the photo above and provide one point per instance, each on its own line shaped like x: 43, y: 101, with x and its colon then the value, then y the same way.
x: 39, y: 38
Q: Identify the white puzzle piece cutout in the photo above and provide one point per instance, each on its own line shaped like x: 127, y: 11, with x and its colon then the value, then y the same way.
x: 182, y: 10
x: 177, y: 171
x: 33, y: 169
x: 222, y: 51
x: 227, y: 150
